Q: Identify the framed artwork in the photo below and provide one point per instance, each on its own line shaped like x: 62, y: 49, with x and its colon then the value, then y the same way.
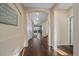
x: 8, y: 15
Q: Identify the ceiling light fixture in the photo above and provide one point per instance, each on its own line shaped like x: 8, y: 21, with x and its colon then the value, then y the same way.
x: 37, y: 18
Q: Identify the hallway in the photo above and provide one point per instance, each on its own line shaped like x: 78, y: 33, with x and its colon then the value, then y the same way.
x: 30, y: 29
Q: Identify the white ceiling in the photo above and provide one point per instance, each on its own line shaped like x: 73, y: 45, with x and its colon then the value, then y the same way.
x: 39, y: 5
x: 42, y: 16
x: 38, y: 17
x: 64, y: 5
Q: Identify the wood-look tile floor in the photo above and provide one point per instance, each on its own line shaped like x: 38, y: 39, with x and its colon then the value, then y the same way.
x: 36, y: 48
x: 42, y: 52
x: 36, y: 52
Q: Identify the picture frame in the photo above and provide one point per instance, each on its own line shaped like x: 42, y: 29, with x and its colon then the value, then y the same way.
x: 8, y: 15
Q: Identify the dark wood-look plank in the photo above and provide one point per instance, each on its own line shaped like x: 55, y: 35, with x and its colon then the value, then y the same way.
x: 67, y: 48
x: 39, y: 47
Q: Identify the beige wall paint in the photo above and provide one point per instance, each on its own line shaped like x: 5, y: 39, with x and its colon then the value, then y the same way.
x: 44, y: 29
x: 70, y: 14
x: 52, y: 27
x: 29, y: 26
x: 76, y: 29
x: 47, y: 27
x: 60, y: 27
x: 12, y: 37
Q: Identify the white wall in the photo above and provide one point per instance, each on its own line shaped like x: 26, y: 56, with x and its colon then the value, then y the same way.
x: 29, y: 26
x: 70, y: 14
x: 12, y: 37
x: 76, y: 29
x: 60, y: 27
x: 51, y: 27
x: 47, y: 27
x: 44, y: 29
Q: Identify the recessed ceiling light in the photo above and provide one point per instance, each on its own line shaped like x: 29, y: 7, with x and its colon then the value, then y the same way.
x: 37, y: 18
